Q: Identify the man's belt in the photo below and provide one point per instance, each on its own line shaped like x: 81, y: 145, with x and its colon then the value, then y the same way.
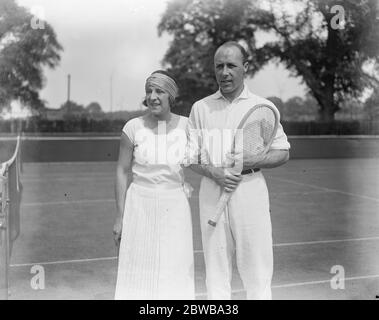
x: 248, y: 171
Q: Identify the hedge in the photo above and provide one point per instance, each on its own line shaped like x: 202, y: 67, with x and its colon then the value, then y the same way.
x: 115, y: 126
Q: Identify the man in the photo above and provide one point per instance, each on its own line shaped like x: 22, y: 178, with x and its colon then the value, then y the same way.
x: 245, y: 226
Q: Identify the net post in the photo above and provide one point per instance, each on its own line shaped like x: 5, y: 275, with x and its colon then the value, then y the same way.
x: 10, y: 170
x: 4, y: 245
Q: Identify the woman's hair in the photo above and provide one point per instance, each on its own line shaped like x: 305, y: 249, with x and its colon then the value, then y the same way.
x: 171, y: 99
x: 166, y: 73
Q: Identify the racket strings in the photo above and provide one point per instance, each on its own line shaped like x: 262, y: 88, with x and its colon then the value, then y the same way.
x: 258, y: 130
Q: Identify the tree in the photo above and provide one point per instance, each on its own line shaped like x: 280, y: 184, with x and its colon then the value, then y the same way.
x: 331, y: 55
x: 279, y: 105
x: 351, y: 109
x: 300, y: 109
x: 72, y: 110
x: 93, y: 108
x: 125, y: 115
x: 198, y: 27
x: 24, y: 52
x: 93, y: 111
x: 371, y: 105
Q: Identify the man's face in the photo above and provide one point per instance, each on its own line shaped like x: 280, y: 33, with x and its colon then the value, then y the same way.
x: 229, y: 69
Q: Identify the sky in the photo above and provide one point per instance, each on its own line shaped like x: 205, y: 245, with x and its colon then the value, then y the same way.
x: 115, y: 44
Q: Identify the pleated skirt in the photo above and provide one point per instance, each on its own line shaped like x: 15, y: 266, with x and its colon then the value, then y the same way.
x: 156, y: 250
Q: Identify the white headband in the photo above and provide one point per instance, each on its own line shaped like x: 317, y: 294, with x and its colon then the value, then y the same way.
x: 164, y: 82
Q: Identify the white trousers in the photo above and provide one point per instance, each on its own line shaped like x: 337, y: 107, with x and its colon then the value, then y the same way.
x: 244, y: 230
x: 156, y: 252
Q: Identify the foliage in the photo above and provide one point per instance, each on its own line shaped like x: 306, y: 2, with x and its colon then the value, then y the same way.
x: 94, y: 108
x: 199, y: 27
x: 279, y: 105
x: 372, y: 105
x: 332, y: 62
x: 84, y: 126
x: 124, y: 115
x: 300, y: 109
x: 24, y: 52
x: 71, y: 109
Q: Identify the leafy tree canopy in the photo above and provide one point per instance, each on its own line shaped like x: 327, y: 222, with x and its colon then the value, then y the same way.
x: 24, y: 51
x: 94, y: 107
x: 72, y: 109
x: 300, y: 109
x: 335, y: 53
x: 372, y: 105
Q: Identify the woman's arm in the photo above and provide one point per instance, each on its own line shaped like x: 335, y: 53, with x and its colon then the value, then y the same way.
x: 123, y: 180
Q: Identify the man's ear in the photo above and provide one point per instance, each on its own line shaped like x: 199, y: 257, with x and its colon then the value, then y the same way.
x: 246, y: 66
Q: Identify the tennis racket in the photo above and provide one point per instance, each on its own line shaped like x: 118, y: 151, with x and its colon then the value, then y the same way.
x: 254, y: 134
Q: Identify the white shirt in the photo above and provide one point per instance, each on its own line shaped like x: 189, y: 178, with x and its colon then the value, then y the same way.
x: 212, y: 123
x: 157, y: 157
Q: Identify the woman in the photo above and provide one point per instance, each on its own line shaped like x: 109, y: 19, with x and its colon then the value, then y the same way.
x: 153, y: 228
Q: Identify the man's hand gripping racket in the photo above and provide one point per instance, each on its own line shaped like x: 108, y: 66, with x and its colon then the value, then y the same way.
x: 254, y: 135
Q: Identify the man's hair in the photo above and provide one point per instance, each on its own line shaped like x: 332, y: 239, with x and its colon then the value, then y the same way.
x: 235, y: 44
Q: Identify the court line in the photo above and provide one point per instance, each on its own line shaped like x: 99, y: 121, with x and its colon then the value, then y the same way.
x: 337, y: 137
x: 62, y: 262
x: 289, y: 244
x: 299, y: 284
x: 76, y: 179
x: 195, y: 251
x: 324, y: 241
x: 288, y: 285
x: 65, y: 138
x: 96, y: 163
x: 36, y: 204
x: 71, y: 175
x: 326, y: 189
x: 116, y: 136
x: 297, y: 193
x: 110, y: 200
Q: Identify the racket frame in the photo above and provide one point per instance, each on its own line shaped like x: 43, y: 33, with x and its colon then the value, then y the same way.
x: 225, y: 196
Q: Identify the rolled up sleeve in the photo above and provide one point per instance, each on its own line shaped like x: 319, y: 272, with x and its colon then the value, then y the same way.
x: 280, y: 140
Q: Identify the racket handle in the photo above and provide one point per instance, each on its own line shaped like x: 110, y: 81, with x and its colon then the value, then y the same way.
x: 221, y: 204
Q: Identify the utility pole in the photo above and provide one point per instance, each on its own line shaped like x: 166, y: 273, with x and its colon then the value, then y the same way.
x: 111, y: 93
x: 68, y: 87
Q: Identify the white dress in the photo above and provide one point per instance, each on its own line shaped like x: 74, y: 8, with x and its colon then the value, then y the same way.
x: 156, y: 251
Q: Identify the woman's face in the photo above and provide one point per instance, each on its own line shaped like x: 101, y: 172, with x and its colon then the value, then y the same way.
x: 158, y: 100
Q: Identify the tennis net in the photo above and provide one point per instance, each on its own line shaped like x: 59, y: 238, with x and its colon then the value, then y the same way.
x: 10, y: 199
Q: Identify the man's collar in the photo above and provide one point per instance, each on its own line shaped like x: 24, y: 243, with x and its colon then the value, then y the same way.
x: 217, y: 95
x: 245, y: 94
